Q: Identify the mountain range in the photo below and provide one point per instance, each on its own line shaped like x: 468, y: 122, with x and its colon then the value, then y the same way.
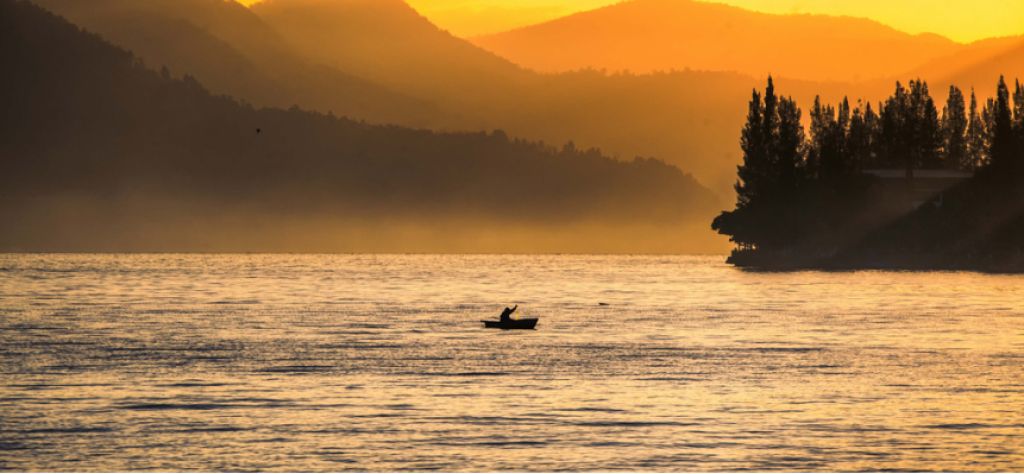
x: 126, y: 157
x: 381, y: 62
x: 643, y: 36
x: 385, y: 63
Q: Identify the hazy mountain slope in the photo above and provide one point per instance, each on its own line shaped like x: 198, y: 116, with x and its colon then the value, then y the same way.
x: 650, y: 35
x: 123, y: 158
x: 967, y: 56
x: 234, y: 52
x: 691, y: 119
x: 979, y: 65
x: 667, y: 117
x: 389, y: 42
x: 688, y: 119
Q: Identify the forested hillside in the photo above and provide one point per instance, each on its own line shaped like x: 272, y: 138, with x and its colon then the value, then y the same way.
x: 133, y: 147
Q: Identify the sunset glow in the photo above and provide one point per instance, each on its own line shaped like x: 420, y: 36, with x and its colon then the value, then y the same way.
x: 251, y: 236
x: 959, y: 20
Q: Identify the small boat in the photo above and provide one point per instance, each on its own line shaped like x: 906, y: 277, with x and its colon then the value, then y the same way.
x: 511, y: 324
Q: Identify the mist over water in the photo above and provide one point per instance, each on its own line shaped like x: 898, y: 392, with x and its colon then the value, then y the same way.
x: 368, y: 363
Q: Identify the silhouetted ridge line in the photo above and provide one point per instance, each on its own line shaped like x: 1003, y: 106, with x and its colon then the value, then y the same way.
x: 659, y: 35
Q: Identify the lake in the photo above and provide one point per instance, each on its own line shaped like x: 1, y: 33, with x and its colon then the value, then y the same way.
x: 370, y: 363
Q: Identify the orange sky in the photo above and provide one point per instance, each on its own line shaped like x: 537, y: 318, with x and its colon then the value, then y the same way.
x: 961, y: 20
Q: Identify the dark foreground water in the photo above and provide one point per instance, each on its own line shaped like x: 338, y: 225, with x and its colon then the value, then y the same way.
x: 309, y: 363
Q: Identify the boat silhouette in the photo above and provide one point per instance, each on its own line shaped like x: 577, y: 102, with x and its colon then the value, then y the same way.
x: 529, y: 323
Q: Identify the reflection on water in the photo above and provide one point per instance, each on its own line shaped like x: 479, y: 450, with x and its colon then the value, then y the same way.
x: 335, y: 363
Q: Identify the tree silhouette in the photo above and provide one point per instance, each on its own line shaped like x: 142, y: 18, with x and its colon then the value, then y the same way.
x: 823, y: 153
x: 1018, y: 118
x: 754, y: 143
x: 895, y: 128
x: 1002, y: 148
x: 977, y: 146
x: 861, y: 137
x: 788, y: 143
x: 771, y: 173
x: 910, y: 128
x: 954, y: 131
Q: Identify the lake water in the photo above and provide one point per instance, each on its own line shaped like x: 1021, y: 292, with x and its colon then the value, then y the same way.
x: 369, y: 363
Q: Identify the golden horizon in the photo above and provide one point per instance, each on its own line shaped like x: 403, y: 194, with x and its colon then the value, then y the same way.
x: 959, y: 20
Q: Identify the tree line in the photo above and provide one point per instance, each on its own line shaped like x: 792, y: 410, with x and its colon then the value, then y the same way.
x: 796, y: 182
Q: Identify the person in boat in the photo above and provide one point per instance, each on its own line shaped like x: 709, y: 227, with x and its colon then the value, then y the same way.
x: 506, y: 315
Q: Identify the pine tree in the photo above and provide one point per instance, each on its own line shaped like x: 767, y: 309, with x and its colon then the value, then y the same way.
x: 977, y: 148
x: 1018, y: 107
x: 1002, y: 145
x: 788, y: 142
x: 1018, y: 118
x: 842, y: 126
x: 770, y: 117
x: 893, y: 133
x: 858, y: 139
x: 988, y: 117
x: 770, y: 141
x: 873, y: 126
x: 770, y: 175
x: 753, y: 143
x: 954, y: 131
x: 824, y: 154
x: 814, y: 144
x: 910, y: 128
x: 926, y: 135
x: 755, y: 157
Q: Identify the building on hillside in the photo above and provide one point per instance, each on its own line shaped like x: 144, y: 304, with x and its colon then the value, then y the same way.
x: 908, y: 191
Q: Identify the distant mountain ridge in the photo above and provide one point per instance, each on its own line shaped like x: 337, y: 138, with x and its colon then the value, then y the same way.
x: 650, y: 35
x: 976, y: 64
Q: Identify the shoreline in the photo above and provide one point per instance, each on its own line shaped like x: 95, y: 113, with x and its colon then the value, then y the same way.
x: 754, y: 262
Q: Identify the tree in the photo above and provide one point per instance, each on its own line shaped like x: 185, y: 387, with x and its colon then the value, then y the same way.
x: 893, y: 133
x: 788, y: 142
x: 954, y: 131
x: 821, y: 149
x: 1002, y: 146
x: 842, y: 131
x: 873, y: 125
x: 810, y: 198
x: 977, y: 147
x: 770, y: 118
x: 859, y: 138
x: 770, y: 175
x: 1018, y: 106
x: 910, y: 128
x: 755, y: 157
x: 926, y: 143
x: 1018, y: 118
